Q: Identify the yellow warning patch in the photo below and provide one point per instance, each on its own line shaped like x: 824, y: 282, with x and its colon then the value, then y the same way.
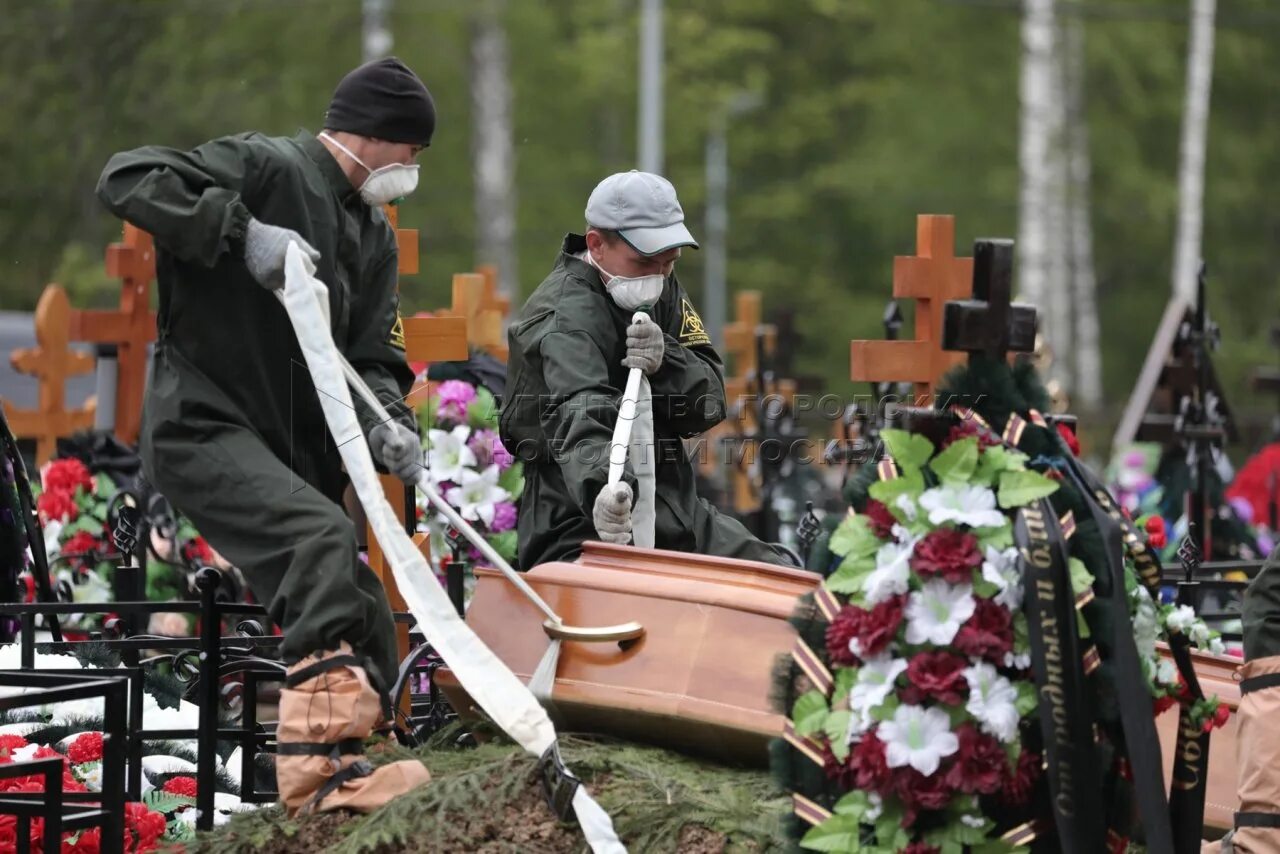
x: 692, y: 332
x: 396, y: 338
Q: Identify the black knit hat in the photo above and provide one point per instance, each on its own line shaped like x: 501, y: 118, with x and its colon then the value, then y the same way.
x: 383, y: 99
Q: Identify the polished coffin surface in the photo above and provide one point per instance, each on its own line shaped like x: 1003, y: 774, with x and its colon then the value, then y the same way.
x: 1217, y: 674
x: 698, y: 679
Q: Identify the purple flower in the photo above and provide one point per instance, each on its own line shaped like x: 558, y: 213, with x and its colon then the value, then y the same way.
x: 482, y: 444
x: 501, y: 455
x: 504, y: 517
x: 454, y: 396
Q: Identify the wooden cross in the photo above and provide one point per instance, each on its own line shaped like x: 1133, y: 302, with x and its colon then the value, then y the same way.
x: 988, y: 323
x: 131, y: 329
x: 475, y: 299
x: 932, y: 277
x: 50, y: 362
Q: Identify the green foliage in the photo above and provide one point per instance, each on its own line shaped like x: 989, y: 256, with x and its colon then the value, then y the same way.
x: 958, y: 462
x: 1018, y: 488
x: 512, y: 480
x: 809, y: 713
x: 165, y: 802
x: 909, y: 450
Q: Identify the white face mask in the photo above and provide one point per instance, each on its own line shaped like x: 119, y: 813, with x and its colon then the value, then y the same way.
x: 384, y: 185
x: 631, y: 294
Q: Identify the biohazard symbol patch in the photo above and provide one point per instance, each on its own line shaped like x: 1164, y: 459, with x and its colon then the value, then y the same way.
x: 396, y: 338
x: 692, y: 332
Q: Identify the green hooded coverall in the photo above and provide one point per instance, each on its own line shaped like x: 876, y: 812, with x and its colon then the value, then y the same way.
x: 564, y: 383
x: 233, y: 432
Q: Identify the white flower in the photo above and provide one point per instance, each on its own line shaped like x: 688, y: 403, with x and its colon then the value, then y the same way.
x: 1180, y: 618
x: 476, y: 494
x: 1199, y: 634
x: 1217, y: 647
x: 964, y: 504
x: 889, y: 578
x: 918, y: 737
x: 1001, y: 569
x: 1146, y: 625
x: 874, y: 681
x: 23, y: 754
x: 905, y: 503
x: 1166, y: 672
x: 1017, y: 660
x: 90, y: 774
x: 935, y: 613
x: 876, y: 807
x: 991, y: 701
x: 448, y: 455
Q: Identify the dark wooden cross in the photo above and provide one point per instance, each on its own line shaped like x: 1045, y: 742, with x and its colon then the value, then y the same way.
x: 988, y: 323
x: 932, y: 277
x: 130, y: 329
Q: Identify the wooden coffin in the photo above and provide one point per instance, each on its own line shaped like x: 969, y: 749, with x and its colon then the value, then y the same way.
x: 697, y: 680
x: 1217, y: 675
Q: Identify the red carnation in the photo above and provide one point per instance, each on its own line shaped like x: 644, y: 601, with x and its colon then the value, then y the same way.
x: 1157, y: 535
x: 10, y: 743
x: 66, y: 475
x: 846, y: 626
x: 1163, y: 703
x: 197, y: 551
x: 920, y: 792
x: 144, y: 825
x: 80, y: 543
x: 184, y: 785
x: 981, y: 764
x: 841, y: 772
x: 880, y: 519
x: 939, y: 675
x: 880, y: 626
x: 1068, y: 435
x: 970, y: 427
x: 949, y: 553
x: 86, y: 748
x: 56, y: 505
x: 867, y: 761
x: 987, y: 634
x: 1219, y: 719
x: 1020, y: 781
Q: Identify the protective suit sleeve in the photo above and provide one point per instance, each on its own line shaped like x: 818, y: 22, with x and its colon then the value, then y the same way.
x: 579, y: 416
x: 191, y: 202
x: 375, y: 344
x: 688, y: 387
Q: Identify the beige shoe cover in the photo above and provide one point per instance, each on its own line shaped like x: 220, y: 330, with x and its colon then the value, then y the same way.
x: 327, y: 711
x: 1258, y: 757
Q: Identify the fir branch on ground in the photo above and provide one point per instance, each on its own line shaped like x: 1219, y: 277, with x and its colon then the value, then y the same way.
x: 487, y: 799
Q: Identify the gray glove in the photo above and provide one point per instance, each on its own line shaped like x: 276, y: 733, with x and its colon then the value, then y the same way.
x: 644, y: 346
x: 612, y: 514
x: 264, y: 250
x: 398, y: 448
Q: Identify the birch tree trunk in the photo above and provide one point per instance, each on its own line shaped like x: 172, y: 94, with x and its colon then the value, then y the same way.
x: 1087, y: 343
x: 1039, y: 131
x: 1195, y: 132
x: 492, y: 148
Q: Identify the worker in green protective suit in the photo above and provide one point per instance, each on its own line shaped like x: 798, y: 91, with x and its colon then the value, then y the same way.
x: 570, y: 352
x: 233, y: 432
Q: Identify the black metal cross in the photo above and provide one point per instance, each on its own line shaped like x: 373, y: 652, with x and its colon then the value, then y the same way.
x: 988, y: 323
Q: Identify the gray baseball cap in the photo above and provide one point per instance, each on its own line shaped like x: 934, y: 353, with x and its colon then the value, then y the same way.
x: 643, y: 208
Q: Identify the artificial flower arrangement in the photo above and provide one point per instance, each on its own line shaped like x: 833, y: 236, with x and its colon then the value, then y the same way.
x: 468, y: 465
x: 914, y: 723
x: 72, y: 504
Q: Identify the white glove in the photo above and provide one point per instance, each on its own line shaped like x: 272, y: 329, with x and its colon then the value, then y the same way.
x: 644, y: 346
x: 264, y: 250
x: 612, y: 514
x: 398, y: 448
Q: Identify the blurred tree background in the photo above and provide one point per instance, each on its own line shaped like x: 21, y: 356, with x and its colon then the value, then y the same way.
x: 871, y: 112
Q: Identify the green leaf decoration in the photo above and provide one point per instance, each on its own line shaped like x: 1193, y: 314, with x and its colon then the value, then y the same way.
x: 179, y: 831
x: 1021, y: 637
x: 850, y: 575
x: 854, y: 538
x: 1026, y: 702
x: 838, y: 833
x: 165, y: 802
x: 1081, y: 578
x: 981, y: 587
x: 1082, y: 626
x: 483, y: 411
x: 958, y: 462
x: 887, y: 491
x: 889, y: 831
x: 853, y: 804
x: 909, y: 450
x: 998, y: 537
x: 809, y: 712
x: 504, y: 544
x: 1019, y: 488
x: 885, y: 710
x: 836, y: 728
x: 844, y: 684
x: 512, y: 480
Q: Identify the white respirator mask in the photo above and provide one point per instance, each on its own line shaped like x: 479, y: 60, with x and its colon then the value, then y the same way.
x: 386, y: 184
x: 632, y: 294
